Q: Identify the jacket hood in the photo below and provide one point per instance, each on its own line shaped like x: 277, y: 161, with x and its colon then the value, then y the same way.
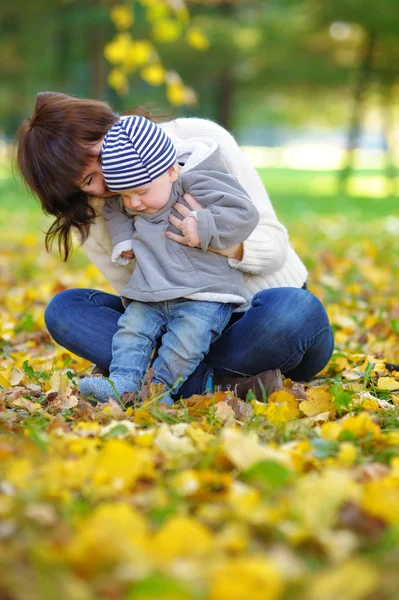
x: 193, y: 152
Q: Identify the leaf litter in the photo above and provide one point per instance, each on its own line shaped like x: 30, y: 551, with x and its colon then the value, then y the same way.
x: 215, y: 498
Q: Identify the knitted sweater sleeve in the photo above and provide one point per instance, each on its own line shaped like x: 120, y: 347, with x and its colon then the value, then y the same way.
x: 98, y: 248
x: 266, y: 249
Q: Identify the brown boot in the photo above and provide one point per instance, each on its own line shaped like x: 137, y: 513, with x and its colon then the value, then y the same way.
x: 100, y: 371
x: 262, y: 385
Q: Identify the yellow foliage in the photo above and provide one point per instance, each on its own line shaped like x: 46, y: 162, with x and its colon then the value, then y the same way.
x: 354, y: 580
x: 153, y: 74
x: 122, y: 16
x: 318, y: 401
x: 388, y: 383
x: 362, y: 425
x: 113, y: 533
x: 381, y: 499
x: 117, y: 79
x: 119, y: 465
x: 113, y: 503
x: 347, y: 454
x: 282, y: 406
x: 181, y: 537
x: 166, y: 30
x: 117, y: 50
x: 140, y: 52
x: 176, y: 93
x: 318, y: 497
x: 253, y: 577
x: 197, y: 39
x: 169, y: 22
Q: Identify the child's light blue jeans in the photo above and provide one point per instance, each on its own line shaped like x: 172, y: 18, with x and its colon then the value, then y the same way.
x: 187, y: 327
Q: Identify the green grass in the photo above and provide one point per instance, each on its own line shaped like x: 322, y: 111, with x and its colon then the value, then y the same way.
x: 20, y: 212
x: 296, y: 194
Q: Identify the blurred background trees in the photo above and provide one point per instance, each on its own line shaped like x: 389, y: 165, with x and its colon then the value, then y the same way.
x: 257, y: 67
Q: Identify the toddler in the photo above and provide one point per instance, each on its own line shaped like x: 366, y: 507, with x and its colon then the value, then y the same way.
x: 183, y: 294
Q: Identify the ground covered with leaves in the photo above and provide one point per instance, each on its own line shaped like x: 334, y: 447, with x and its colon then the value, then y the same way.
x: 294, y: 497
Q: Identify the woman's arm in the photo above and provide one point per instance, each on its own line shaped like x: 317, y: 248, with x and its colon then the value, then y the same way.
x: 266, y: 249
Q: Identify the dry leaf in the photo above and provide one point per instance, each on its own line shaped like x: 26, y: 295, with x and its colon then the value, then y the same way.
x: 388, y: 383
x: 318, y: 401
x: 224, y: 413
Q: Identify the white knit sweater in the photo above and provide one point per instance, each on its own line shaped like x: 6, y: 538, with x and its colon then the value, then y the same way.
x: 269, y: 260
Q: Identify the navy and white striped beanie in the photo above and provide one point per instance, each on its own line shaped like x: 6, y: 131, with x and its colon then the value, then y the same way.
x: 135, y: 151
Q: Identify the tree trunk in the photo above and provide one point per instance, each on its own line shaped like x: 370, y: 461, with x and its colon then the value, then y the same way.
x: 98, y: 67
x: 226, y: 85
x: 225, y: 98
x: 357, y: 110
x: 388, y: 131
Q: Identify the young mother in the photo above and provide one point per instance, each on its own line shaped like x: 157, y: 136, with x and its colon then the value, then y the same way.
x: 286, y: 328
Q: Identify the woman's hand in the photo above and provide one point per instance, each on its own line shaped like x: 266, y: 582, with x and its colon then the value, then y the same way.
x: 187, y: 224
x: 189, y: 228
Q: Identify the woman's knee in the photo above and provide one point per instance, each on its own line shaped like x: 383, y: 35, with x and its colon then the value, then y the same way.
x: 58, y: 313
x: 291, y: 309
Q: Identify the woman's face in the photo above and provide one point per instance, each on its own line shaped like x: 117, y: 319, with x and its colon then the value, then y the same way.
x: 92, y: 180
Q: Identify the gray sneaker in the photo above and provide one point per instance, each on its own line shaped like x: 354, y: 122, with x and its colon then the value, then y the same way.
x: 261, y: 385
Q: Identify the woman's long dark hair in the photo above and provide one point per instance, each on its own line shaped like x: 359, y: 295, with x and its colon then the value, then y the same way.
x: 53, y: 150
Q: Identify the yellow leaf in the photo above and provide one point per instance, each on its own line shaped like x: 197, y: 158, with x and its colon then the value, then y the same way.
x: 388, y: 383
x: 278, y: 413
x: 116, y: 51
x: 156, y: 9
x: 330, y: 431
x: 197, y: 39
x: 245, y: 450
x: 347, y: 454
x: 117, y: 80
x: 16, y: 376
x: 175, y: 93
x: 122, y: 16
x: 171, y: 444
x: 143, y: 417
x: 166, y: 30
x: 361, y: 425
x: 119, y: 465
x: 59, y: 382
x: 318, y: 401
x: 113, y: 533
x: 369, y: 404
x: 283, y: 396
x: 140, y: 52
x: 4, y: 382
x: 353, y: 580
x: 381, y: 499
x: 253, y: 577
x: 30, y: 406
x: 181, y: 537
x: 153, y: 74
x: 282, y: 406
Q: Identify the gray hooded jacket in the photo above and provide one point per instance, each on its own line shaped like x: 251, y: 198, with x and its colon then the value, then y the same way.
x: 165, y: 269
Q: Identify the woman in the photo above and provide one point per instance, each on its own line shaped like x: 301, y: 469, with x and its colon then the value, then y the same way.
x: 286, y: 328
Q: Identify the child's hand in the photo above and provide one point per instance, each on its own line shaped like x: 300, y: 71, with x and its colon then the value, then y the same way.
x: 129, y: 254
x: 189, y: 229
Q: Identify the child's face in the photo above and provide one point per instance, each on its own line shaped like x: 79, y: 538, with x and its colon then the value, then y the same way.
x: 151, y: 197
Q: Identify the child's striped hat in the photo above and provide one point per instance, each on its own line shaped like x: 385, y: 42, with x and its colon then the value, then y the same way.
x: 135, y: 151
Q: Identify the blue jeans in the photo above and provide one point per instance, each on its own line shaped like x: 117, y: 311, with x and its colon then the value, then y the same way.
x: 285, y: 328
x: 187, y: 327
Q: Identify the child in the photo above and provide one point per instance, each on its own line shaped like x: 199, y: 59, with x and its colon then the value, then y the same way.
x: 182, y: 293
